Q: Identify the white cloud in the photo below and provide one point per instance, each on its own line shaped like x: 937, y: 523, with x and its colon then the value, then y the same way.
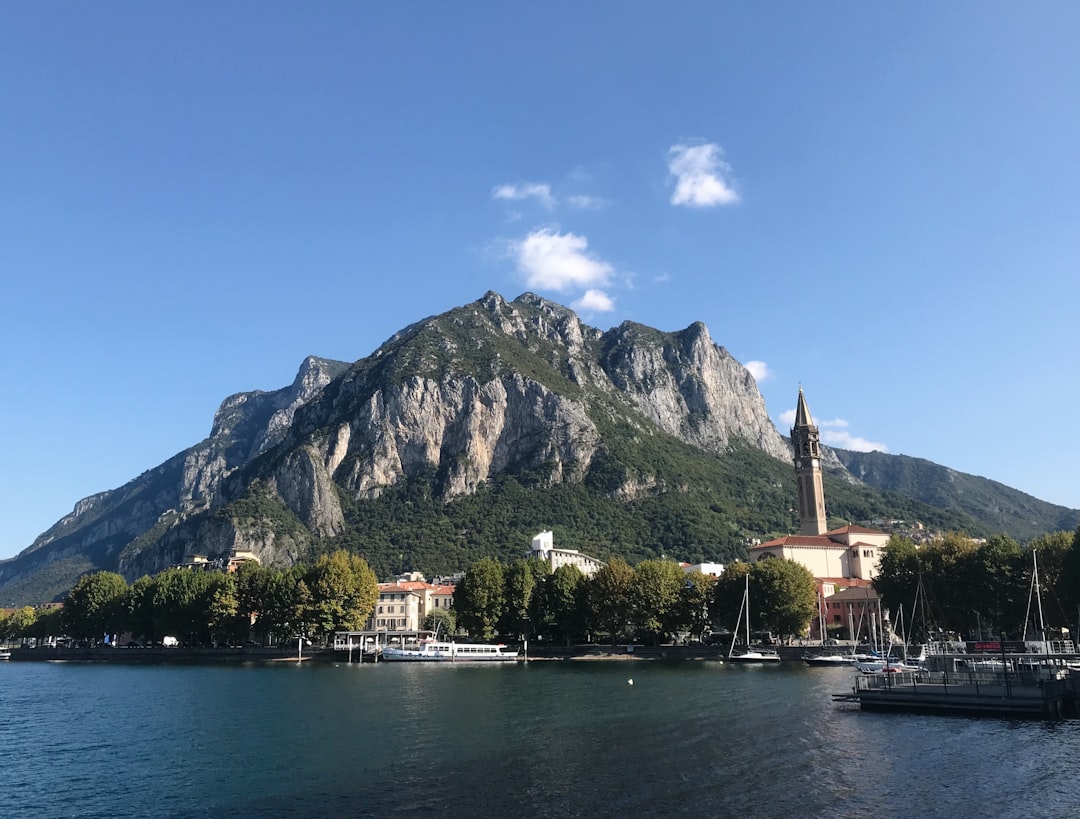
x: 843, y: 439
x: 582, y: 202
x: 594, y: 301
x: 700, y: 176
x: 662, y: 278
x: 759, y: 369
x: 559, y: 261
x: 834, y: 432
x: 540, y: 191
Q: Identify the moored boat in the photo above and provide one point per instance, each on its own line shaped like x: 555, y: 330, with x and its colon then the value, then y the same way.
x: 449, y: 652
x: 5, y: 654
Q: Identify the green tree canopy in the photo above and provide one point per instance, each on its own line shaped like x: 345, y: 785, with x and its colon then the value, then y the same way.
x: 654, y: 598
x: 783, y: 596
x: 96, y: 605
x: 608, y: 593
x: 343, y: 592
x: 479, y: 598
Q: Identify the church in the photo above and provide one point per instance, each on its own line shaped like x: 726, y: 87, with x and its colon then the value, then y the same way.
x: 838, y: 558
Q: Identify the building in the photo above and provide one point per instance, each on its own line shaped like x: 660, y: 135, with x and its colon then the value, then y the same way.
x: 837, y: 558
x: 399, y: 612
x: 543, y: 548
x: 707, y: 569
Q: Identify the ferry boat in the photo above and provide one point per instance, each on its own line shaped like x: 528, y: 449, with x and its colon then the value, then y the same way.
x: 449, y: 652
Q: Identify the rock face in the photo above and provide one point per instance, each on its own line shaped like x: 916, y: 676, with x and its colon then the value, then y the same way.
x: 485, y: 388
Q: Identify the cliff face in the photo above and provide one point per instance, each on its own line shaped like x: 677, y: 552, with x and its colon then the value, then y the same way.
x: 466, y: 395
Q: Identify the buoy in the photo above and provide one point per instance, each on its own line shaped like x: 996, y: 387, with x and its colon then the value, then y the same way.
x: 630, y: 682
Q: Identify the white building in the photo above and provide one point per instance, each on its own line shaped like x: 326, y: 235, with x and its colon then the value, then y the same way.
x: 707, y: 569
x: 543, y: 548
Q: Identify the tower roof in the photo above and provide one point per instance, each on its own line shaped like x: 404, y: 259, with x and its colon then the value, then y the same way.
x: 802, y: 412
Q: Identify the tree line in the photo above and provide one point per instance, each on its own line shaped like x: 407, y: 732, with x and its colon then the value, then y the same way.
x: 979, y: 589
x: 653, y: 601
x: 337, y: 592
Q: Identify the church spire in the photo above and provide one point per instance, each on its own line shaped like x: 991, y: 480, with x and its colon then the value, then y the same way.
x: 806, y: 443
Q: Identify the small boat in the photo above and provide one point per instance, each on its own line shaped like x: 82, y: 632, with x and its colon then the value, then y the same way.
x: 5, y: 654
x: 830, y: 660
x: 449, y: 652
x: 750, y: 654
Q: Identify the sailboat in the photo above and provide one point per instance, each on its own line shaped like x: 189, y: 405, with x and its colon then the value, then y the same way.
x: 824, y: 658
x: 749, y: 655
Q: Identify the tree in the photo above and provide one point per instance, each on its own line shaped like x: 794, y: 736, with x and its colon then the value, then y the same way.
x: 522, y: 578
x: 897, y: 579
x: 991, y: 580
x: 608, y: 595
x: 728, y: 594
x: 654, y: 597
x: 141, y: 614
x: 783, y: 595
x: 1050, y: 551
x: 96, y: 605
x: 441, y: 621
x: 479, y: 598
x: 562, y: 603
x: 19, y: 622
x: 697, y: 594
x: 343, y: 592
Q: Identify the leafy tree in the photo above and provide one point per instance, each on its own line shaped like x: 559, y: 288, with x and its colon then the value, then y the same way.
x: 783, y: 595
x: 1050, y: 550
x: 695, y: 600
x: 561, y: 603
x: 1070, y: 577
x: 48, y: 622
x: 479, y: 598
x: 96, y: 605
x: 19, y: 622
x: 441, y: 621
x: 522, y: 577
x: 654, y: 597
x: 897, y: 580
x: 608, y: 595
x: 990, y: 580
x: 343, y: 592
x: 728, y: 594
x: 140, y: 609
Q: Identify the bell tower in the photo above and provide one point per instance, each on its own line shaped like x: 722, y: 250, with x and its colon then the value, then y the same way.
x: 807, y: 446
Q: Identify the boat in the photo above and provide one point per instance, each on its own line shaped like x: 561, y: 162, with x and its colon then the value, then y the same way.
x: 5, y: 654
x: 830, y: 660
x: 443, y: 651
x: 749, y: 654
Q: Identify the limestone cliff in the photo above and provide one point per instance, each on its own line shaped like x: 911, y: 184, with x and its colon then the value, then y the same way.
x: 486, y: 388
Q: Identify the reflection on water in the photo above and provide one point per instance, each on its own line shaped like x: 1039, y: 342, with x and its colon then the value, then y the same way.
x: 544, y: 739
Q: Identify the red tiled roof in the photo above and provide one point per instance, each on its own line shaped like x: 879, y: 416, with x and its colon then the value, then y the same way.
x: 800, y: 540
x: 854, y: 530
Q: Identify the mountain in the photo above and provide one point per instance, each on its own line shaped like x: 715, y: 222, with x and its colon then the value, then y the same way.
x: 462, y: 436
x: 998, y: 507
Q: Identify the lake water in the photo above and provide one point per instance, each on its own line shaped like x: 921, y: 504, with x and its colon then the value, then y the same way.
x: 546, y: 739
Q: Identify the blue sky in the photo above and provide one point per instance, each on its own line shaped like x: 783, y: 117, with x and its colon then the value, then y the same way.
x: 877, y: 201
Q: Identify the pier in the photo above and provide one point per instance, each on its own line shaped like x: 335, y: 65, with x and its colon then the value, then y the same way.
x: 1040, y: 691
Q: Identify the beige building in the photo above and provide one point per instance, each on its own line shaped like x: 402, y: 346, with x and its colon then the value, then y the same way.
x: 543, y: 548
x: 404, y: 604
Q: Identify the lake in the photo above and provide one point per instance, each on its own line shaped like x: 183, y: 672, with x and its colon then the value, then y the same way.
x: 543, y: 739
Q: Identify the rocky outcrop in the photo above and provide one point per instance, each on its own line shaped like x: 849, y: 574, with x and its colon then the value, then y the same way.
x: 489, y: 387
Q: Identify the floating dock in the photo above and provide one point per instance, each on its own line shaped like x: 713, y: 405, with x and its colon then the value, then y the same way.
x: 1039, y: 692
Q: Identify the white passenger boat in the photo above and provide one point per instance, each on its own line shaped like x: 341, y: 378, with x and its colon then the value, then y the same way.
x: 5, y: 654
x: 449, y: 652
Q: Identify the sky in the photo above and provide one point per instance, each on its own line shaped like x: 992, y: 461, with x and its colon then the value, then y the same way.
x: 878, y: 202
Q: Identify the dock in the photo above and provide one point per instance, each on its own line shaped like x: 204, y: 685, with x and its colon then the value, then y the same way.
x: 1038, y: 692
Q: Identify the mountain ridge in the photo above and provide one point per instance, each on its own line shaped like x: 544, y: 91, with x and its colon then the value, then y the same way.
x: 643, y: 427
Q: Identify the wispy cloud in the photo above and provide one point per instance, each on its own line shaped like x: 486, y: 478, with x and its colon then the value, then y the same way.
x: 594, y: 301
x: 559, y: 261
x: 835, y: 433
x: 701, y: 176
x: 759, y: 369
x: 582, y: 202
x: 540, y: 191
x: 662, y: 278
